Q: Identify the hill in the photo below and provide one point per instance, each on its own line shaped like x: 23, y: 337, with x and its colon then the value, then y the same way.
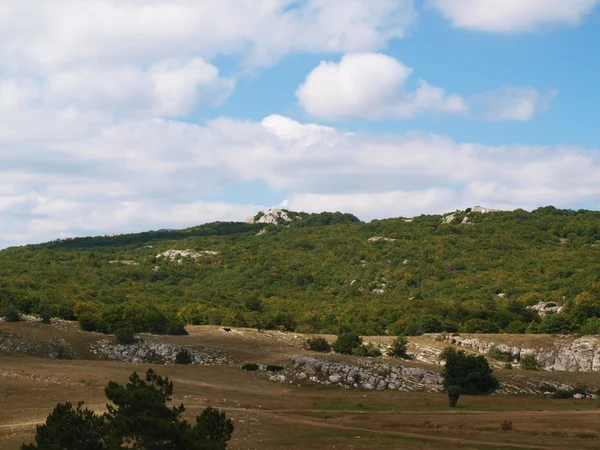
x: 470, y: 271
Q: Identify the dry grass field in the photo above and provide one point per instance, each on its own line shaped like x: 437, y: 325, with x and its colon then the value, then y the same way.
x: 270, y: 415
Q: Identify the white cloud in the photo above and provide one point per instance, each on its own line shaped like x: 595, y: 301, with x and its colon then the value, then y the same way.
x: 371, y: 85
x: 514, y: 103
x: 513, y: 16
x: 144, y: 174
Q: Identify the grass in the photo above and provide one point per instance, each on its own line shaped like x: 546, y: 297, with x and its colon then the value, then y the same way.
x: 270, y: 415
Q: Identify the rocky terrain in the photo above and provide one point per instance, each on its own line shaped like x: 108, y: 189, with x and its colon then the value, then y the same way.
x: 57, y: 349
x: 155, y: 352
x: 564, y: 353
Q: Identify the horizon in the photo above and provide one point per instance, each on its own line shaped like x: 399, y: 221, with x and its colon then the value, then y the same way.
x: 386, y: 108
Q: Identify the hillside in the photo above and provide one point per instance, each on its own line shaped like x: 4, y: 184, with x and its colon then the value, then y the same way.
x: 471, y: 271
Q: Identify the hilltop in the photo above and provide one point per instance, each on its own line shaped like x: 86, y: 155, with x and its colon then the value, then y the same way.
x: 476, y: 270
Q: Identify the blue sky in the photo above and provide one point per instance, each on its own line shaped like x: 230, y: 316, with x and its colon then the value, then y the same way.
x: 127, y: 116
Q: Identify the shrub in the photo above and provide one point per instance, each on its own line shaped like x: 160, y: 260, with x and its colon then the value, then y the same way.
x: 125, y: 336
x: 516, y: 327
x: 64, y: 352
x: 498, y: 354
x: 508, y: 366
x: 453, y: 395
x: 346, y: 342
x: 46, y: 315
x: 506, y: 426
x: 87, y: 322
x: 183, y: 356
x: 250, y: 367
x: 371, y: 350
x: 528, y: 362
x: 472, y: 374
x: 318, y: 344
x: 274, y: 368
x: 11, y: 314
x: 533, y: 328
x: 398, y: 347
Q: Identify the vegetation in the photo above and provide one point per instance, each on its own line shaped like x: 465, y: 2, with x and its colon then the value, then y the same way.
x: 453, y: 395
x: 251, y: 367
x: 398, y: 347
x: 125, y: 336
x: 322, y: 271
x: 371, y: 350
x: 138, y: 417
x: 318, y: 344
x: 183, y: 356
x: 347, y: 343
x: 471, y: 374
x: 528, y: 362
x: 499, y: 355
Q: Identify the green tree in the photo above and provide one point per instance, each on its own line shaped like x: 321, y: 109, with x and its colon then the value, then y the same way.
x: 472, y: 374
x: 399, y: 347
x: 71, y: 428
x: 138, y: 418
x: 453, y: 395
x: 125, y: 336
x: 346, y: 342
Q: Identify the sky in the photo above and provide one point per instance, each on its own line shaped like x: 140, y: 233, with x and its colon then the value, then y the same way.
x: 129, y: 115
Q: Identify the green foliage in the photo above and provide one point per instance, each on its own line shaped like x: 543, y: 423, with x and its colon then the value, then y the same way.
x: 499, y: 355
x: 371, y: 350
x: 398, y: 347
x: 274, y: 368
x: 506, y: 426
x: 591, y: 326
x: 321, y: 271
x: 72, y: 428
x: 138, y: 417
x: 11, y: 314
x: 508, y: 366
x: 347, y: 342
x: 46, y: 315
x: 183, y: 356
x: 516, y: 327
x: 472, y: 374
x: 453, y: 395
x: 251, y: 367
x: 318, y: 344
x: 125, y: 336
x: 528, y: 362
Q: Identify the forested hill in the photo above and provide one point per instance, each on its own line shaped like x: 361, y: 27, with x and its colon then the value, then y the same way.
x: 315, y: 273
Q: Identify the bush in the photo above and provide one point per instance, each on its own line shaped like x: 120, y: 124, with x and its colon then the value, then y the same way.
x: 506, y: 426
x: 499, y: 355
x: 528, y: 362
x: 453, y: 395
x: 533, y: 328
x: 472, y: 374
x: 508, y: 366
x: 274, y: 368
x: 183, y: 356
x: 46, y: 315
x: 371, y: 350
x: 125, y: 336
x: 318, y: 344
x: 346, y: 342
x: 516, y: 327
x: 250, y: 367
x: 398, y: 347
x: 11, y: 314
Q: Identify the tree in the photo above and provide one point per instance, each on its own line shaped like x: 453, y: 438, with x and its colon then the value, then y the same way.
x: 472, y: 374
x: 125, y: 336
x: 71, y: 428
x: 453, y: 395
x: 346, y: 342
x: 398, y: 347
x: 183, y: 356
x: 318, y: 344
x: 138, y: 418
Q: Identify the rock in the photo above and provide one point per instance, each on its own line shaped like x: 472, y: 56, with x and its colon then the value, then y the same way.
x: 578, y: 396
x: 274, y: 216
x: 545, y: 308
x: 335, y: 378
x: 379, y: 238
x: 179, y: 255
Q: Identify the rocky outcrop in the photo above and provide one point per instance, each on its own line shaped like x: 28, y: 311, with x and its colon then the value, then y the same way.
x: 58, y: 349
x: 179, y: 255
x: 380, y: 239
x: 274, y: 216
x: 154, y: 352
x: 365, y: 374
x: 565, y: 354
x: 545, y: 308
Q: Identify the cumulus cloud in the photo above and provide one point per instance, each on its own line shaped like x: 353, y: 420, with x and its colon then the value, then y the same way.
x: 144, y: 174
x: 513, y: 16
x: 371, y: 85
